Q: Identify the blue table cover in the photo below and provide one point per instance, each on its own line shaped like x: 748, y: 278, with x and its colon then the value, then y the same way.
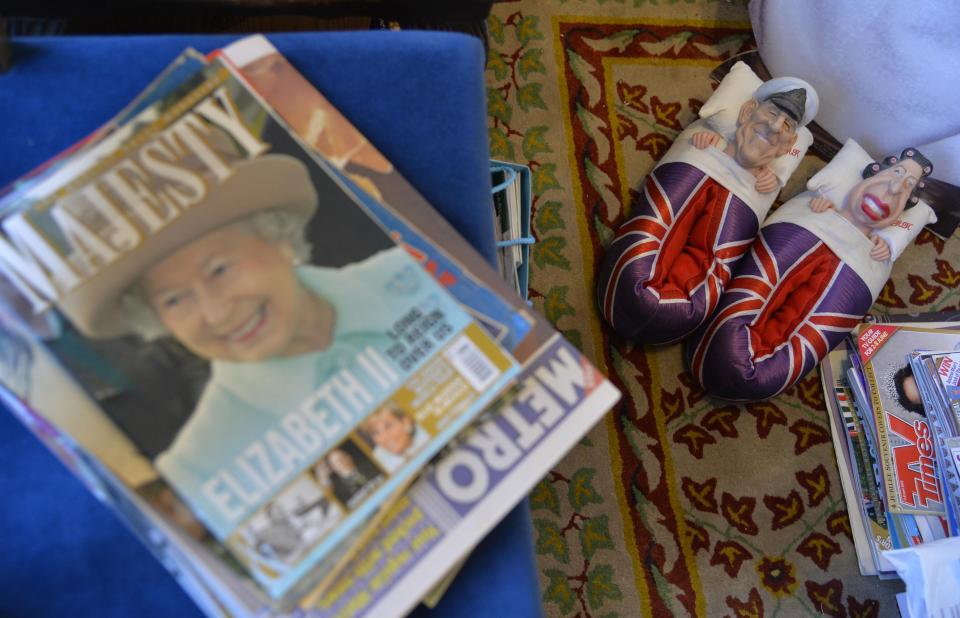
x: 419, y: 97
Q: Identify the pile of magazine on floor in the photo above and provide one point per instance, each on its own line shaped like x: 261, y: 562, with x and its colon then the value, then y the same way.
x: 893, y: 395
x: 511, y: 203
x: 228, y: 314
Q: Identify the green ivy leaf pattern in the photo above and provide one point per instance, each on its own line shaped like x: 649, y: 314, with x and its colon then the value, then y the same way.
x: 604, y: 232
x: 534, y: 141
x: 545, y: 178
x: 551, y: 541
x: 580, y: 493
x: 497, y: 105
x: 594, y: 126
x: 584, y: 73
x: 666, y: 590
x: 495, y: 28
x: 497, y: 64
x: 602, y: 183
x: 654, y: 521
x: 595, y: 535
x: 586, y: 441
x: 620, y: 364
x: 549, y: 251
x: 574, y: 337
x: 642, y: 444
x: 500, y: 145
x: 555, y: 304
x: 618, y: 41
x: 672, y: 43
x: 544, y: 496
x: 600, y: 586
x: 528, y: 96
x: 527, y: 30
x: 657, y: 3
x: 548, y: 217
x: 530, y: 63
x: 726, y: 45
x: 558, y: 590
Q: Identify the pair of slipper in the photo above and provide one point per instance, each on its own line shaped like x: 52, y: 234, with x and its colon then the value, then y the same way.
x: 757, y: 305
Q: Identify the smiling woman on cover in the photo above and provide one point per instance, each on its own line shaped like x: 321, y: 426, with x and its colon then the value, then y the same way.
x: 229, y: 280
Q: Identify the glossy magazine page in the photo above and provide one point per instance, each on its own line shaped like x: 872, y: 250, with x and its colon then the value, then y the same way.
x: 411, y: 219
x: 282, y: 379
x: 905, y: 446
x: 392, y: 571
x: 473, y: 485
x: 456, y: 501
x: 401, y: 572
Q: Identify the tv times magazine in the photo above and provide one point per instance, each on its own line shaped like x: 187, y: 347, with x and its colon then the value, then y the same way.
x: 904, y: 435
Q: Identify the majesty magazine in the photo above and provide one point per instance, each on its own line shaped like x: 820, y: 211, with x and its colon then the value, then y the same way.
x: 419, y: 529
x: 277, y: 360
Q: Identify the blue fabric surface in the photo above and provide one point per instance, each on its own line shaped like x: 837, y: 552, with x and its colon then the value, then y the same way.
x: 419, y: 97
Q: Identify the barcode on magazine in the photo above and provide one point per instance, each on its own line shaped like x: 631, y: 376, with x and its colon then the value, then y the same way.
x: 471, y: 363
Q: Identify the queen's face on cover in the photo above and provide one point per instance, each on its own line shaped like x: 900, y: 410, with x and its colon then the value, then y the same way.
x: 234, y: 296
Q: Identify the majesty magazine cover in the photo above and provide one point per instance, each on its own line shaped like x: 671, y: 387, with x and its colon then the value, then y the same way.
x: 421, y: 534
x: 278, y: 376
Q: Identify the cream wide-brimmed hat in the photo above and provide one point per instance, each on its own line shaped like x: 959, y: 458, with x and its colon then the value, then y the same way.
x: 271, y: 182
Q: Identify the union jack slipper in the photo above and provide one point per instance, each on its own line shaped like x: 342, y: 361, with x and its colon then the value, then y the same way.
x: 808, y: 280
x: 700, y: 208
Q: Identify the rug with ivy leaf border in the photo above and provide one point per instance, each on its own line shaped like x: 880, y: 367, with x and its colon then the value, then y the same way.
x: 677, y: 504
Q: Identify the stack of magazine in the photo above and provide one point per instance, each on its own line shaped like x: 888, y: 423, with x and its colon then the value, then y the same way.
x: 893, y: 397
x: 243, y: 330
x: 511, y: 207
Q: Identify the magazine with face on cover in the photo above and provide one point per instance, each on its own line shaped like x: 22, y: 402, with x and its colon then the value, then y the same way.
x: 389, y: 587
x: 472, y: 484
x: 912, y: 485
x: 199, y: 229
x: 511, y: 319
x: 24, y: 363
x: 412, y: 220
x: 33, y: 379
x: 409, y: 216
x: 936, y: 375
